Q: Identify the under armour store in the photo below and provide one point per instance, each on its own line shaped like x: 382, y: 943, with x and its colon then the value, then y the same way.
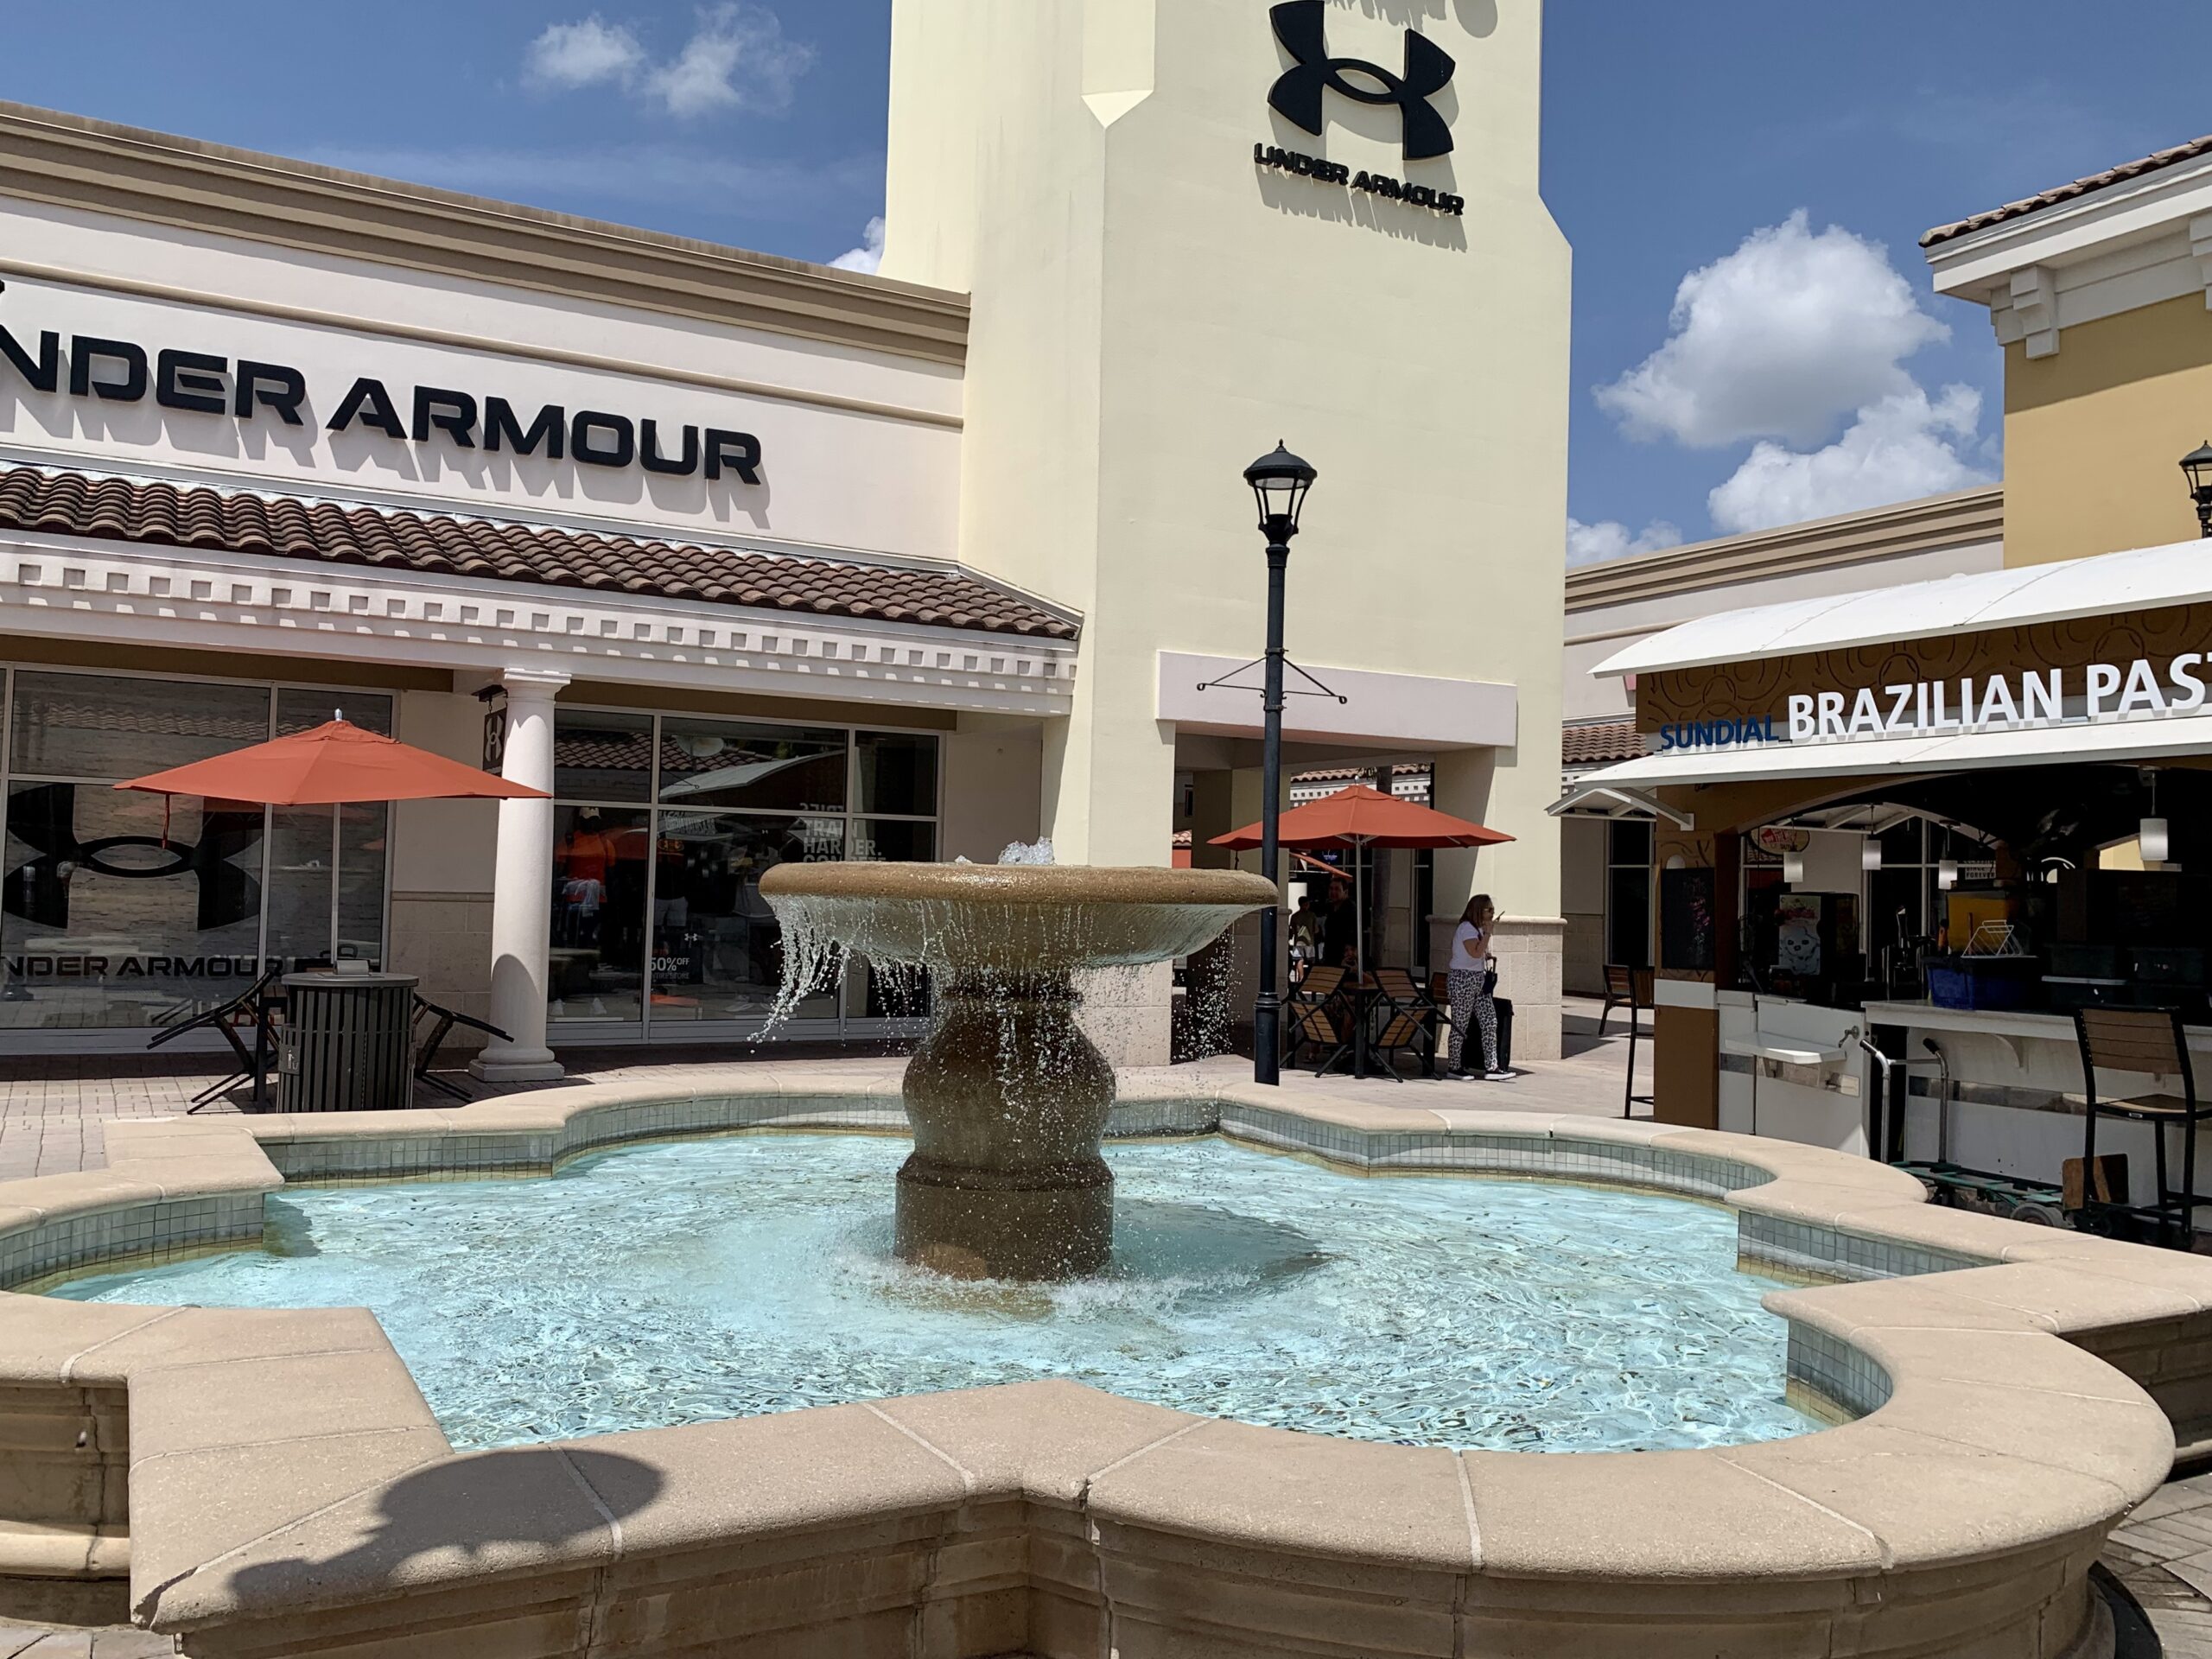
x: 739, y: 560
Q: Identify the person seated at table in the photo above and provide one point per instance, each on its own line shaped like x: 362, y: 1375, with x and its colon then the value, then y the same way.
x: 1340, y: 927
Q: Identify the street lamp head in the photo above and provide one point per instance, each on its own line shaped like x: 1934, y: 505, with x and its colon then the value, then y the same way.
x: 2196, y: 467
x: 1278, y: 482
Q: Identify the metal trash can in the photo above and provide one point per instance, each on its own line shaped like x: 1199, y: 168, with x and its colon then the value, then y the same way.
x: 344, y: 1045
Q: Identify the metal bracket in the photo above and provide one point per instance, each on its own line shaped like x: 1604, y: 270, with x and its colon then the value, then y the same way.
x: 1228, y: 682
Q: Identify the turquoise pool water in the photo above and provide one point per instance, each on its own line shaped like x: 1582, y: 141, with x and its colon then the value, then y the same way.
x: 675, y: 1282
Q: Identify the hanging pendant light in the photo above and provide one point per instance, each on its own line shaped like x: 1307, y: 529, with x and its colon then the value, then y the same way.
x: 1793, y: 868
x: 1947, y: 874
x: 2152, y: 839
x: 1870, y: 855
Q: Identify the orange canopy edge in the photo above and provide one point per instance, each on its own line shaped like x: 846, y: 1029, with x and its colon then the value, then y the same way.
x: 335, y: 763
x: 1358, y: 816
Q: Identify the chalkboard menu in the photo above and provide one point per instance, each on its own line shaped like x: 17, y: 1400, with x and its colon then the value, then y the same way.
x: 1688, y: 920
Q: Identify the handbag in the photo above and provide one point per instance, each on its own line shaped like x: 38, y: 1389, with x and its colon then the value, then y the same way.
x: 1490, y: 980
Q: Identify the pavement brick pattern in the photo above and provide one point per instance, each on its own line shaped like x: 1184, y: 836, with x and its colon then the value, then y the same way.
x: 24, y: 1641
x: 2164, y: 1555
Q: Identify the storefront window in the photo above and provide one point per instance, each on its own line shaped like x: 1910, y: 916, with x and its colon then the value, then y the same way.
x: 717, y: 949
x: 601, y: 871
x: 894, y: 840
x: 898, y: 774
x: 603, y: 757
x: 121, y: 910
x: 735, y: 799
x: 87, y: 726
x: 767, y: 768
x: 1628, y: 893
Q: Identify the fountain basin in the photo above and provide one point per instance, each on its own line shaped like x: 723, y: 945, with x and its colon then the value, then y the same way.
x: 1013, y: 919
x: 1959, y: 1516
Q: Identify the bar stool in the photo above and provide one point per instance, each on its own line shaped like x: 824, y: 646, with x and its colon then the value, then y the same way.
x: 1635, y: 993
x: 2147, y: 1042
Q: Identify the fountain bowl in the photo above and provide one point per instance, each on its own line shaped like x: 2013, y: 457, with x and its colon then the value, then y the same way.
x: 1015, y: 920
x: 1006, y: 1094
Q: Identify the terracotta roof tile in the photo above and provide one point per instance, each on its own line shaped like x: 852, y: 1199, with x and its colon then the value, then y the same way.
x: 171, y: 515
x: 1599, y: 741
x: 2080, y: 187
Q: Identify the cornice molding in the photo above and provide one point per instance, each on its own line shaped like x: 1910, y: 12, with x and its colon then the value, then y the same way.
x: 55, y: 586
x: 1920, y: 527
x: 73, y: 162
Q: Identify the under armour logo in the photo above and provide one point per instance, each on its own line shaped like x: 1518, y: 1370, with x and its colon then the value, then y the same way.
x: 43, y: 816
x: 1302, y: 27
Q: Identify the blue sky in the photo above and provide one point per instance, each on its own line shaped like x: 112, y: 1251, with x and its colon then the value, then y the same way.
x: 1809, y: 369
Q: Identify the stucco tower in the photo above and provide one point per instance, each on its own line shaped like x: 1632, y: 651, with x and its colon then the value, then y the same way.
x: 1159, y: 297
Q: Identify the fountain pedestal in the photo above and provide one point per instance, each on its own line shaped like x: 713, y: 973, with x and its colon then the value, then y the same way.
x: 1008, y: 1099
x: 1007, y: 1096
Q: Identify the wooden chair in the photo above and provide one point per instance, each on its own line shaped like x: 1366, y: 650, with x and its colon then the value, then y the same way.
x: 1320, y: 1017
x: 1409, y: 1025
x: 2149, y: 1043
x: 1635, y: 990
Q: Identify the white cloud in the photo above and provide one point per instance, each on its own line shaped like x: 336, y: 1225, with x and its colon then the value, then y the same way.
x: 582, y: 54
x: 868, y: 257
x: 1609, y: 538
x: 736, y: 58
x: 1900, y: 447
x: 1781, y: 338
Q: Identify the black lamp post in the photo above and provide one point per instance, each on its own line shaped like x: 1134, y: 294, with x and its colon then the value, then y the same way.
x: 2196, y: 465
x: 1279, y: 483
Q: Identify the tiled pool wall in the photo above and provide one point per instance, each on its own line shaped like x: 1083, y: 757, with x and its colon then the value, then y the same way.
x: 1824, y: 1367
x: 1829, y: 1378
x: 54, y: 1247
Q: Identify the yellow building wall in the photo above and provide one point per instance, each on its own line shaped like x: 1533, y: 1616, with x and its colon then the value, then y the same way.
x: 2093, y: 434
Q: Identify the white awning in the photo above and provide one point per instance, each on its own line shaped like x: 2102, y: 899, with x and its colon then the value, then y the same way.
x: 2109, y: 584
x: 1900, y: 757
x: 1597, y: 800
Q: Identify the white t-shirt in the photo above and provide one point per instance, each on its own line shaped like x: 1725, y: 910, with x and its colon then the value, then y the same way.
x: 1470, y: 949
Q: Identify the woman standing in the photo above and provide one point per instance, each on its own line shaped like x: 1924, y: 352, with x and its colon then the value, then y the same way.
x: 1472, y: 978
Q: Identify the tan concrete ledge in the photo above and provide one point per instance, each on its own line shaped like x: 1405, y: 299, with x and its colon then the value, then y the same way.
x: 287, y: 1492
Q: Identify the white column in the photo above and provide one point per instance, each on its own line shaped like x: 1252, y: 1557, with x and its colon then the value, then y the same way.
x: 522, y: 888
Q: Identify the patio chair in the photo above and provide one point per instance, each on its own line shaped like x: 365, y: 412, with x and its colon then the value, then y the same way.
x: 1409, y: 1025
x: 1636, y: 994
x: 256, y: 1007
x: 1620, y: 993
x: 444, y: 1019
x: 1320, y: 1017
x: 2147, y: 1043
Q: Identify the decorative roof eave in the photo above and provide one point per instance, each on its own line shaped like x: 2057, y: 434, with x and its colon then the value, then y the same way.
x: 2157, y: 161
x: 150, y: 512
x: 114, y: 592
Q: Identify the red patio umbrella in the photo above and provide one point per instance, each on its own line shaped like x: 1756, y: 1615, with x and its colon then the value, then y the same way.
x: 336, y: 762
x: 1359, y: 817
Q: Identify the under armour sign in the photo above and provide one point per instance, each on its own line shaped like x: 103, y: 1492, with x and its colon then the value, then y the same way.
x: 1302, y: 27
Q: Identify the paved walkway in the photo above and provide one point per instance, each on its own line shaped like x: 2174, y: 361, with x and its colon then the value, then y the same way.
x: 52, y: 1110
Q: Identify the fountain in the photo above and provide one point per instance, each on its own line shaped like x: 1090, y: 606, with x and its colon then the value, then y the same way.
x: 1007, y: 1096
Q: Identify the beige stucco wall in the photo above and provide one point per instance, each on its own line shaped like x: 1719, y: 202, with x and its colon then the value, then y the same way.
x: 1150, y: 312
x: 989, y: 789
x: 2093, y: 434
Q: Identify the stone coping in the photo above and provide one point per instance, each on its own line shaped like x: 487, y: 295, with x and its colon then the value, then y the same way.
x: 291, y: 1492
